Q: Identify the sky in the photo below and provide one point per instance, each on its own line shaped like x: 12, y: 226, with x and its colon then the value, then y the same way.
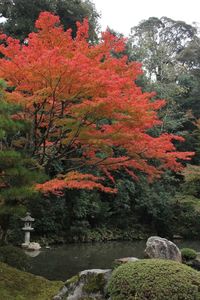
x: 121, y: 15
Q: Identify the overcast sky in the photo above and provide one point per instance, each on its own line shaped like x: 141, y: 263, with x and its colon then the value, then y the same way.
x: 121, y: 15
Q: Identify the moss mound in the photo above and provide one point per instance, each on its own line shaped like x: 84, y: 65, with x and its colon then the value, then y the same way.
x: 19, y: 285
x: 188, y: 254
x: 154, y: 279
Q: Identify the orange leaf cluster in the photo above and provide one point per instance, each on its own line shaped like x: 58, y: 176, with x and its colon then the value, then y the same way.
x: 73, y: 180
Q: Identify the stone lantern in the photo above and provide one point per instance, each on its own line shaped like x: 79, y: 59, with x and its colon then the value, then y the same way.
x: 27, y: 228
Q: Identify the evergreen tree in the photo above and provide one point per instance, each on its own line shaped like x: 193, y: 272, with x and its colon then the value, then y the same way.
x: 18, y: 172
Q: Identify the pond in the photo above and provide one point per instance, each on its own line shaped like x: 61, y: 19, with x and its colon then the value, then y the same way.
x: 60, y: 263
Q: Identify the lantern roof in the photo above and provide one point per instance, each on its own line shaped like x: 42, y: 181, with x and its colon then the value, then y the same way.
x: 28, y: 218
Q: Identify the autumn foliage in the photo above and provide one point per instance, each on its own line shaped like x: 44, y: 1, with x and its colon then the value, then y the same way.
x: 85, y: 108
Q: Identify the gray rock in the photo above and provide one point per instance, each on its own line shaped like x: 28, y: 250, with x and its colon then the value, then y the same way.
x: 88, y: 284
x: 157, y: 247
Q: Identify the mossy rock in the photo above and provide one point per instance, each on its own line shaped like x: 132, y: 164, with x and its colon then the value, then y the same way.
x: 71, y: 281
x: 19, y: 285
x: 87, y: 285
x: 95, y: 283
x: 154, y: 279
x: 70, y: 286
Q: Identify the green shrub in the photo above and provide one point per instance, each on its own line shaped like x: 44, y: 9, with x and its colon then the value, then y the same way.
x: 14, y: 257
x: 188, y: 254
x: 154, y: 279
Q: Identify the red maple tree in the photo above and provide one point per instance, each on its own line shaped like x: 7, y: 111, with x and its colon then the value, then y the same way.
x: 85, y: 107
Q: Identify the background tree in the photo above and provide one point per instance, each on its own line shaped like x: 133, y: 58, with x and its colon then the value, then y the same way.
x: 190, y: 58
x: 190, y: 100
x: 158, y: 44
x: 21, y: 15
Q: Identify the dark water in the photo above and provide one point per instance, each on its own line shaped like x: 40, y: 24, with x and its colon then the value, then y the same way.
x: 60, y: 263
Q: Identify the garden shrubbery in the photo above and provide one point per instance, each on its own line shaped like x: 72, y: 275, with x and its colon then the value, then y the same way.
x: 154, y: 280
x: 188, y: 254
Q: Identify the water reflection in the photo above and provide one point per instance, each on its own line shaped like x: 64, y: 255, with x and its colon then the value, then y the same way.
x: 32, y: 253
x: 63, y: 262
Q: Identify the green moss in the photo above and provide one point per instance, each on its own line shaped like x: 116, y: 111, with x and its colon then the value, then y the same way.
x: 154, y: 280
x: 188, y: 254
x: 115, y: 265
x: 95, y: 283
x: 72, y: 280
x: 19, y: 285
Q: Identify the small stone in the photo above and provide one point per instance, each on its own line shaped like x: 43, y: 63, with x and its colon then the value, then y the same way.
x: 93, y: 271
x: 33, y: 246
x: 125, y: 260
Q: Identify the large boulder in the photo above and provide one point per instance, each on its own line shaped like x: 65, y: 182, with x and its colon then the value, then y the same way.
x: 88, y: 284
x: 157, y: 247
